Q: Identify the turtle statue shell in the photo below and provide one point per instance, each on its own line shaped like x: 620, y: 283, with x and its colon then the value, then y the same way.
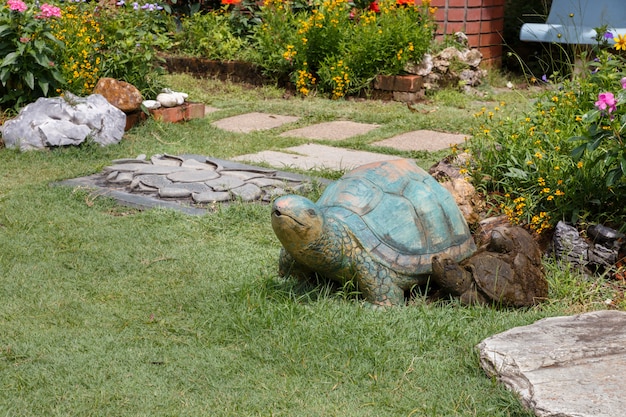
x: 400, y: 214
x: 379, y: 224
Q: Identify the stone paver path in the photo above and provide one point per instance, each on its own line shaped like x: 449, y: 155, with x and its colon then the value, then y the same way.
x: 314, y: 156
x: 337, y: 130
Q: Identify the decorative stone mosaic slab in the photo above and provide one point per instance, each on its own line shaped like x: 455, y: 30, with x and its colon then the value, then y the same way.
x: 190, y: 183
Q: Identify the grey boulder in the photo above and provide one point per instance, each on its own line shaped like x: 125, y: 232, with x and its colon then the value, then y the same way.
x: 563, y: 366
x: 61, y: 121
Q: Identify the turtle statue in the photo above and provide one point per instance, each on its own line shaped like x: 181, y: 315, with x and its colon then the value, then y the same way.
x: 378, y: 226
x: 506, y: 271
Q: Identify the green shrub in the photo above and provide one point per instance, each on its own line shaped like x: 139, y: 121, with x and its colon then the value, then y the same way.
x: 338, y: 47
x: 565, y: 160
x: 134, y: 34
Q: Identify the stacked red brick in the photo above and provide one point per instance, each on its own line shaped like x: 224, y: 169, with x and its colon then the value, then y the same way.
x: 481, y: 20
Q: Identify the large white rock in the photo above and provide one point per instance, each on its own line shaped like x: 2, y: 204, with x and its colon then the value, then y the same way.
x: 563, y: 366
x: 60, y: 121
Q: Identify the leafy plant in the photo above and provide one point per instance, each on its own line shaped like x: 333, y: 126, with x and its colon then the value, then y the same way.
x: 134, y: 35
x: 566, y: 159
x: 339, y: 47
x: 27, y: 68
x: 209, y: 35
x: 81, y: 56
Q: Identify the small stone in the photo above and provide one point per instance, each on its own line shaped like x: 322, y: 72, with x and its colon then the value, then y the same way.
x: 194, y: 187
x: 122, y: 178
x: 157, y: 170
x: 211, y: 197
x: 126, y: 167
x: 167, y: 99
x: 174, y: 192
x: 225, y: 183
x: 248, y: 192
x: 195, y: 175
x: 245, y: 175
x: 128, y: 161
x: 266, y: 182
x: 112, y: 176
x: 154, y: 181
x: 192, y: 163
x: 163, y: 160
x: 151, y: 104
x: 120, y: 94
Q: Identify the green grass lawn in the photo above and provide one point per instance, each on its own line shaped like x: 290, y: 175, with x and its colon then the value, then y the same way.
x: 110, y: 311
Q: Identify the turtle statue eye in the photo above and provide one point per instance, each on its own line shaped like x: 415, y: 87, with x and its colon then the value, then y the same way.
x: 311, y: 212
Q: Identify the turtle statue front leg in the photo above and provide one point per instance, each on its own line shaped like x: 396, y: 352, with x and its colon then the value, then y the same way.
x: 288, y: 266
x: 377, y: 284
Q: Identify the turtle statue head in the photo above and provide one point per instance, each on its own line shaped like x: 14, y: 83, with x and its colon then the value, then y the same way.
x: 297, y: 222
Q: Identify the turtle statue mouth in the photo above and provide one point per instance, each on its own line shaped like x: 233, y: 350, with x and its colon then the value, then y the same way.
x: 278, y: 214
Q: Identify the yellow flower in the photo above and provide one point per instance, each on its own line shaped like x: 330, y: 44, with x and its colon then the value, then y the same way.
x: 579, y: 164
x: 620, y: 42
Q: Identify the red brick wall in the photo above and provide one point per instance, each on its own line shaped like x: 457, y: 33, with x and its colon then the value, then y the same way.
x: 481, y: 20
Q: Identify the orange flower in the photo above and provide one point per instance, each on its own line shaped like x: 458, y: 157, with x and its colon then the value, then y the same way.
x: 226, y: 2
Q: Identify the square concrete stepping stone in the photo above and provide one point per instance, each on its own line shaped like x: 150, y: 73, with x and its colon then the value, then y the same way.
x: 422, y: 140
x: 337, y: 130
x: 313, y: 156
x: 249, y: 122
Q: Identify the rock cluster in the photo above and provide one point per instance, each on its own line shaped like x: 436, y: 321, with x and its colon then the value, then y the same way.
x: 451, y: 67
x: 198, y: 179
x: 597, y: 250
x: 67, y: 120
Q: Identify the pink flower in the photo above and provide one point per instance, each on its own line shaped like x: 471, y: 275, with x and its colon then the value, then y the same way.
x: 17, y: 5
x: 623, y: 82
x: 606, y: 100
x: 47, y: 11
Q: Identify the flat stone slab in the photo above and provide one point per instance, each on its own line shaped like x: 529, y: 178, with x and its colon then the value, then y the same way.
x: 249, y: 122
x: 337, y: 130
x: 314, y: 156
x: 422, y: 140
x: 563, y: 366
